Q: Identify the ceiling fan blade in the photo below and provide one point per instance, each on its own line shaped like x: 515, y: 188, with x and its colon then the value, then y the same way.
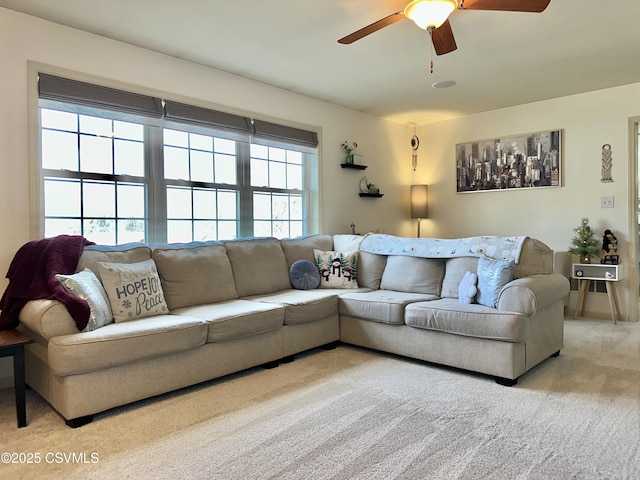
x: 443, y: 40
x: 535, y: 6
x: 374, y: 27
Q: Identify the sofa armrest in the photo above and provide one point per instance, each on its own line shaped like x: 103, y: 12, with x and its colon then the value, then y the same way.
x: 527, y: 295
x: 47, y: 318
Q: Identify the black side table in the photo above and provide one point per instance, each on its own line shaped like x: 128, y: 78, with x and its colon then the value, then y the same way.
x: 12, y: 343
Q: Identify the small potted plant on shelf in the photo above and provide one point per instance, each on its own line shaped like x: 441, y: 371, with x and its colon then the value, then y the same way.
x: 584, y: 244
x: 349, y: 147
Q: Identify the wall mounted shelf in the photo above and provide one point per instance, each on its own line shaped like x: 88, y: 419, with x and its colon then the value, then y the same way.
x: 355, y: 166
x: 371, y: 195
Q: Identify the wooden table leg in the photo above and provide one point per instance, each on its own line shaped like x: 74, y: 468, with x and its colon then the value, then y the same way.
x: 18, y: 379
x: 582, y: 293
x: 613, y: 301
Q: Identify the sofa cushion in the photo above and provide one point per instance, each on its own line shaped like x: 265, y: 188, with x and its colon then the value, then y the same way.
x: 337, y: 269
x: 259, y: 266
x: 493, y: 275
x: 194, y: 274
x: 134, y: 289
x: 370, y: 269
x: 535, y: 258
x: 126, y: 342
x: 127, y: 253
x: 86, y: 285
x: 473, y: 320
x: 303, y: 306
x: 301, y: 248
x: 413, y: 274
x: 454, y: 270
x: 234, y: 319
x: 304, y: 275
x: 383, y: 306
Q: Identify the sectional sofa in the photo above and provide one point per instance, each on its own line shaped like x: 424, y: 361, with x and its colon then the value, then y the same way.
x: 223, y: 307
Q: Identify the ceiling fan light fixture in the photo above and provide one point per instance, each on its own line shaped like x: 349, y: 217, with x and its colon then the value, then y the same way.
x: 428, y: 14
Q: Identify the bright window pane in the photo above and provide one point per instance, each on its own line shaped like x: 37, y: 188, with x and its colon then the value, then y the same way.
x: 128, y: 131
x: 174, y: 137
x: 59, y: 150
x: 179, y: 231
x: 131, y: 202
x: 62, y: 198
x: 294, y: 177
x: 259, y: 173
x: 58, y: 120
x: 56, y: 226
x: 259, y: 151
x: 131, y: 231
x: 222, y: 145
x: 277, y: 175
x: 176, y: 163
x: 99, y: 200
x: 129, y: 158
x: 226, y: 169
x: 227, y: 230
x: 95, y: 154
x: 203, y: 231
x: 261, y: 206
x: 201, y: 166
x: 295, y: 229
x: 227, y: 207
x: 201, y: 142
x: 96, y: 126
x: 204, y: 204
x: 295, y: 208
x: 100, y: 231
x: 262, y: 229
x: 280, y: 207
x: 179, y: 203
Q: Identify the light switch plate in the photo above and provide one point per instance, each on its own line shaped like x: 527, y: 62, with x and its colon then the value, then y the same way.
x: 607, y: 202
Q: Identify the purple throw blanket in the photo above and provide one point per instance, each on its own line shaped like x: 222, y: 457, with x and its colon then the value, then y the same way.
x: 32, y: 275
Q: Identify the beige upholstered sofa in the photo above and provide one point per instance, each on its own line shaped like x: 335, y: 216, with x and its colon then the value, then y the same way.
x: 231, y: 306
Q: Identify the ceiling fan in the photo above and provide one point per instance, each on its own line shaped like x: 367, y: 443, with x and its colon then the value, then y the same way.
x: 433, y: 16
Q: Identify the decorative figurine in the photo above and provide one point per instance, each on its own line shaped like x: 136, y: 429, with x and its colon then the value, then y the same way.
x: 609, y: 248
x: 606, y: 164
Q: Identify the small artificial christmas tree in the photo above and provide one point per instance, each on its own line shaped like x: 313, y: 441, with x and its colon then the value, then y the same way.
x: 584, y: 244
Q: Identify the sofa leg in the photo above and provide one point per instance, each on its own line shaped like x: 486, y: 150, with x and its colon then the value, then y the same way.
x: 79, y: 422
x: 557, y: 354
x: 506, y: 382
x: 329, y: 346
x: 270, y: 365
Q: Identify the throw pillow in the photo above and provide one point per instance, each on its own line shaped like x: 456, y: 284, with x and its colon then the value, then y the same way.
x: 337, y: 269
x: 304, y: 275
x: 86, y: 286
x: 492, y: 276
x: 468, y: 288
x: 134, y: 289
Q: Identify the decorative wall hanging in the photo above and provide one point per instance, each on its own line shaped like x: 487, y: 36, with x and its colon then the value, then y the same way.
x: 415, y: 143
x: 520, y: 161
x: 607, y: 163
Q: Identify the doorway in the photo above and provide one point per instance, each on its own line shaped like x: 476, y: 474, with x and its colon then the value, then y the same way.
x: 634, y: 220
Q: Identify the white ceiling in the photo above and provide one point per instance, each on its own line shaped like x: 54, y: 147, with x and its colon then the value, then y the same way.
x: 503, y: 58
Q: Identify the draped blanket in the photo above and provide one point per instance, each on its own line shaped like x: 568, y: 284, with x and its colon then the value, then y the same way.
x: 499, y: 248
x: 32, y: 275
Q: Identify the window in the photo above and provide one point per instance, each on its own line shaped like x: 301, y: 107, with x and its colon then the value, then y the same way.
x: 118, y: 167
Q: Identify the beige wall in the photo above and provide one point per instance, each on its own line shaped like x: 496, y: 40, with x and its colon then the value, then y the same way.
x: 588, y: 121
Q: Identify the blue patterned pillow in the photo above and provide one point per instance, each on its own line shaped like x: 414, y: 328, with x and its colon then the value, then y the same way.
x: 304, y: 275
x: 492, y: 276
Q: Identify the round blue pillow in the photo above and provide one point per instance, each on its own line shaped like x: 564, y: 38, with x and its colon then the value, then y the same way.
x: 304, y: 275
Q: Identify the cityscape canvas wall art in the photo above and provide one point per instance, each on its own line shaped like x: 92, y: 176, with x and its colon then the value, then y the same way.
x: 520, y: 161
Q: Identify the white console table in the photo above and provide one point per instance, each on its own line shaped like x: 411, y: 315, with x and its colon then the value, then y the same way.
x: 585, y: 272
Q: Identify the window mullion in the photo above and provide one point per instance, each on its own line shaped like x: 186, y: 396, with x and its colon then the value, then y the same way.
x: 245, y: 207
x: 157, y: 186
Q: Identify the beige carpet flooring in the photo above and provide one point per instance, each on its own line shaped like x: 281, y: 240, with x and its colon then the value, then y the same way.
x: 350, y: 413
